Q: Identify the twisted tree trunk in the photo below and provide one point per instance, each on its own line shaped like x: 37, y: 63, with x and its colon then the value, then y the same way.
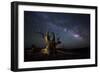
x: 51, y: 44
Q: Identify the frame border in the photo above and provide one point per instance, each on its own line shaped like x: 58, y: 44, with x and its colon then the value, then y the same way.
x: 14, y: 35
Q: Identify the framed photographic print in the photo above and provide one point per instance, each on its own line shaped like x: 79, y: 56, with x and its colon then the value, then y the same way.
x: 52, y: 36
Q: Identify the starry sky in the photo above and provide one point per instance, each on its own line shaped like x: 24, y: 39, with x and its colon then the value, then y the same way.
x: 72, y: 29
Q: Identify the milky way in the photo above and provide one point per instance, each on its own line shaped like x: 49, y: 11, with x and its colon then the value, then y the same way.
x: 72, y: 29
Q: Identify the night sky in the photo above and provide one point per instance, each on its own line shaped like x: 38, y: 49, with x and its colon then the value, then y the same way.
x: 72, y: 29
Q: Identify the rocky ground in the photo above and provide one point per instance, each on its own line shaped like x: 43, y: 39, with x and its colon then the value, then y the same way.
x: 61, y: 54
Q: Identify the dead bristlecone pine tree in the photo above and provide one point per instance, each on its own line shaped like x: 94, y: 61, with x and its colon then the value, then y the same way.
x: 51, y: 43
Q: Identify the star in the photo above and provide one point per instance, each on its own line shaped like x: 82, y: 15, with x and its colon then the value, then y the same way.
x: 65, y: 29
